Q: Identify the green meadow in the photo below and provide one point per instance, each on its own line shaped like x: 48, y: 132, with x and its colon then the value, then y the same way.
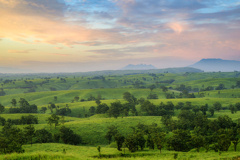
x: 93, y: 128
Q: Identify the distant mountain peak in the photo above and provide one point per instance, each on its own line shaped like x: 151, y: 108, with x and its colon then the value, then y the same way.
x: 138, y: 67
x: 217, y: 64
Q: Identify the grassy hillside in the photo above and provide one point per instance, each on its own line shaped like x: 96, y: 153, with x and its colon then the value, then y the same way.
x: 52, y: 151
x: 111, y: 87
x: 195, y: 80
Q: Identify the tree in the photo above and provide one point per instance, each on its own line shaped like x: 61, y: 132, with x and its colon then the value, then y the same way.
x: 98, y: 102
x: 164, y: 89
x: 76, y: 98
x: 53, y: 120
x: 11, y: 139
x: 2, y: 108
x: 55, y: 98
x: 195, y: 109
x: 220, y: 87
x: 2, y: 121
x: 99, y: 150
x: 141, y: 100
x: 129, y: 97
x: 131, y: 142
x: 179, y: 105
x: 234, y: 137
x: 150, y: 142
x: 43, y: 109
x: 112, y: 131
x: 29, y: 132
x: 197, y: 141
x: 68, y: 137
x: 223, y: 140
x: 185, y: 92
x: 92, y: 110
x: 119, y: 139
x: 238, y: 84
x: 237, y: 105
x: 152, y: 96
x: 232, y: 108
x: 152, y: 87
x: 159, y: 139
x: 14, y: 102
x: 204, y: 109
x: 217, y: 106
x: 114, y: 109
x: 225, y: 122
x: 102, y: 108
x: 43, y: 136
x: 62, y: 120
x: 180, y: 141
x: 211, y: 110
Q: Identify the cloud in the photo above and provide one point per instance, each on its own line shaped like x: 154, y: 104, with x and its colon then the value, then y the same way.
x: 58, y: 54
x: 58, y: 47
x: 20, y: 51
x: 124, y: 29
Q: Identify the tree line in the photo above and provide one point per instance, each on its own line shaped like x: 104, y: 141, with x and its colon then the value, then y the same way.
x: 215, y: 135
x: 12, y: 138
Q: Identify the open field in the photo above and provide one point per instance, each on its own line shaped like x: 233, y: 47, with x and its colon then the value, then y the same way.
x: 52, y: 151
x: 94, y: 128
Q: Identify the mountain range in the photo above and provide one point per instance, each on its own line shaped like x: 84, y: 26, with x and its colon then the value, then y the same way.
x: 14, y: 70
x: 215, y: 65
x: 138, y: 67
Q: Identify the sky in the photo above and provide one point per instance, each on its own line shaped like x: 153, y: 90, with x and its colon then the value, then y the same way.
x: 89, y: 35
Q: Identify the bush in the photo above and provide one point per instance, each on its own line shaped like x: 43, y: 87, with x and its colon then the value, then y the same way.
x: 113, y: 145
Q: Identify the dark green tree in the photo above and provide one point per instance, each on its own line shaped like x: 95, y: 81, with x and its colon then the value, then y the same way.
x: 195, y: 109
x: 204, y: 109
x: 131, y: 142
x: 43, y: 136
x: 92, y: 110
x: 159, y: 139
x: 97, y: 101
x: 217, y: 106
x: 112, y: 131
x: 152, y: 87
x: 211, y: 110
x: 114, y: 109
x: 29, y: 132
x: 43, y: 109
x: 119, y: 139
x: 69, y: 137
x: 129, y: 97
x: 76, y: 98
x: 180, y: 141
x: 14, y: 102
x: 197, y: 141
x: 232, y: 108
x: 237, y: 105
x: 2, y: 108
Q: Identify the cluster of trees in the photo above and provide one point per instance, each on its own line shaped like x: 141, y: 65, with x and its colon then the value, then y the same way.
x: 91, y: 98
x: 2, y: 93
x: 25, y: 107
x: 59, y: 111
x: 153, y: 110
x: 215, y: 135
x: 12, y: 138
x: 116, y: 109
x: 30, y: 119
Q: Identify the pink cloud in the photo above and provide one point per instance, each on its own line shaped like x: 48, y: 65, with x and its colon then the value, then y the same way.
x: 58, y: 47
x: 20, y: 51
x: 58, y: 54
